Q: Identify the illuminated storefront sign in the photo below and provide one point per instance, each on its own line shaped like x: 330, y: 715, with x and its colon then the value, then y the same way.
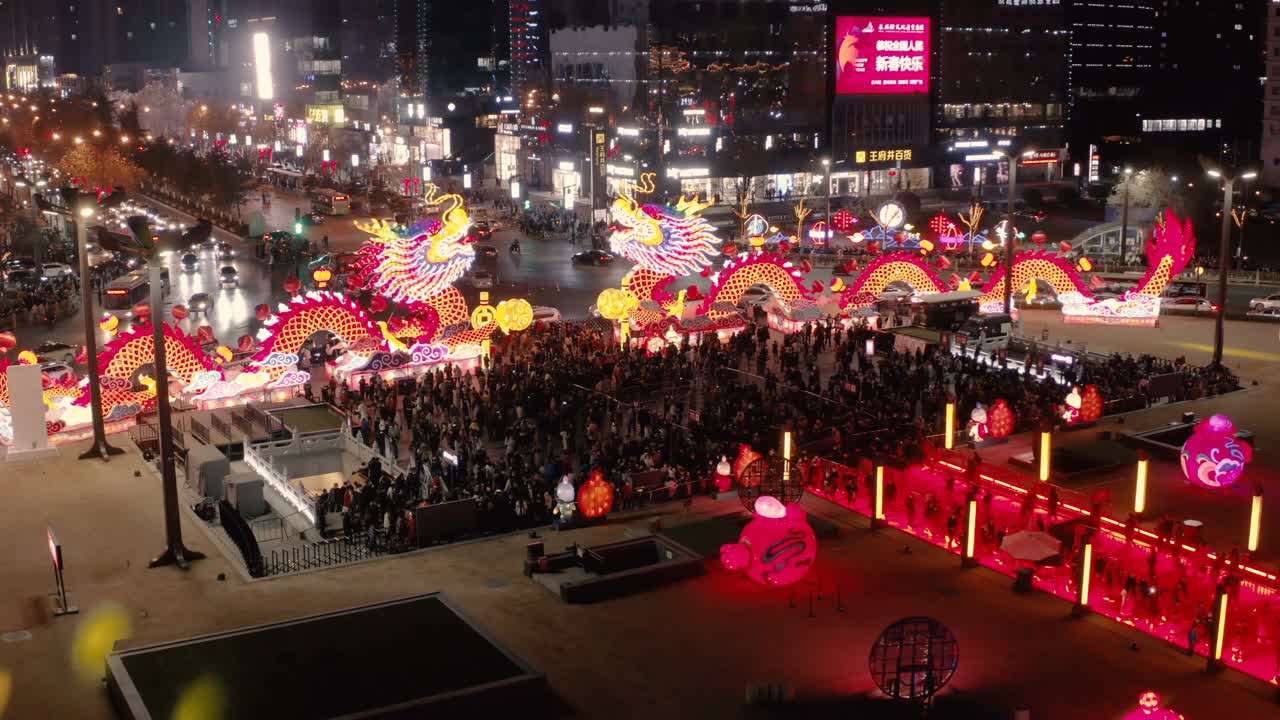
x: 875, y: 156
x: 1042, y: 157
x: 882, y: 55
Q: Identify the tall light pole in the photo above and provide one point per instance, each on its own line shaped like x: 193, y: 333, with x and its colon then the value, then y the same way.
x: 1124, y: 216
x: 1011, y: 234
x: 101, y: 448
x: 826, y: 179
x: 1224, y: 257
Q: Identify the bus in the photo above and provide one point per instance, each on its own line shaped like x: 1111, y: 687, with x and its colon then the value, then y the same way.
x: 330, y: 202
x: 124, y: 292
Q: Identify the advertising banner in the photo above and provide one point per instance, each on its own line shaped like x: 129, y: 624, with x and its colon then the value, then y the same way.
x: 882, y: 55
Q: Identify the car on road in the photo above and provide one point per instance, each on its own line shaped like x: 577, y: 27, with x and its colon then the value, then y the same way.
x: 1264, y: 303
x: 199, y: 302
x: 22, y: 263
x: 894, y: 292
x: 19, y: 279
x: 1265, y: 314
x: 228, y: 277
x: 53, y: 351
x: 480, y: 231
x: 1188, y: 306
x: 225, y: 251
x: 486, y: 252
x: 55, y: 270
x: 190, y: 262
x: 482, y: 279
x: 56, y: 370
x: 593, y: 257
x: 545, y: 314
x: 755, y: 295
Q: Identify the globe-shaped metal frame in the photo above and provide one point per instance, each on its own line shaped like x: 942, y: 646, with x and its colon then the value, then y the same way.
x: 914, y: 658
x: 773, y: 476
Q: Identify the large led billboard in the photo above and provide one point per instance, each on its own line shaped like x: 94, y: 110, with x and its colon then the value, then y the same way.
x: 882, y: 55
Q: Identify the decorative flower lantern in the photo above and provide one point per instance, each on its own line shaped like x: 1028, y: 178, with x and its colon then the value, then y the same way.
x: 595, y: 497
x: 777, y: 548
x: 377, y: 304
x: 724, y: 475
x: 1000, y: 420
x: 27, y: 357
x: 245, y: 343
x: 978, y: 428
x: 262, y: 312
x: 179, y: 312
x: 292, y: 285
x: 7, y: 341
x: 223, y: 353
x: 142, y: 311
x: 1212, y: 456
x: 204, y: 334
x: 109, y: 324
x: 1039, y: 237
x: 565, y: 506
x: 322, y: 275
x: 353, y: 283
x: 1091, y: 404
x: 842, y: 220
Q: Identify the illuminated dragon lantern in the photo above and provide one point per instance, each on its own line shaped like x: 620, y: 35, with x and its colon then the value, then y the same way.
x: 667, y: 243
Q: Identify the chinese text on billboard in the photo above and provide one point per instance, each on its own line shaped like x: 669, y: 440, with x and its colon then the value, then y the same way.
x: 882, y: 55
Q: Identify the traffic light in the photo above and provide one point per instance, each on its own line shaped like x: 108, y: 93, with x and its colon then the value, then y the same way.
x: 297, y: 228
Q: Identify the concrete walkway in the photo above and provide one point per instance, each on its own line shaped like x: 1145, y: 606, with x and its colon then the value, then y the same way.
x: 685, y: 651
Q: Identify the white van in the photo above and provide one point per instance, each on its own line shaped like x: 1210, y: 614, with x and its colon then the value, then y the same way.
x: 985, y: 333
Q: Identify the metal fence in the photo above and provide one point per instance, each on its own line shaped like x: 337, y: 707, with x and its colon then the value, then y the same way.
x: 268, y: 529
x: 324, y: 553
x: 200, y: 431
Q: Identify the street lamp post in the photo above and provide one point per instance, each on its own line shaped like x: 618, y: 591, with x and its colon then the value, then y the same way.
x: 1011, y: 235
x: 826, y: 179
x: 1124, y: 216
x: 101, y: 448
x: 1224, y: 257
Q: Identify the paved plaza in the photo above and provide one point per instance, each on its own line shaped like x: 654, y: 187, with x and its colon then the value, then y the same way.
x: 688, y: 650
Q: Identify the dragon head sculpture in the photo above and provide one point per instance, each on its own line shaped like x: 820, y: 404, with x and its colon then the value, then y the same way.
x: 410, y: 265
x: 672, y: 241
x: 1173, y: 238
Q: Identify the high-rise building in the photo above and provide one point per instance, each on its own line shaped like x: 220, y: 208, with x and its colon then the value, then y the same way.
x: 528, y: 42
x: 1271, y: 99
x: 1002, y: 86
x: 413, y: 25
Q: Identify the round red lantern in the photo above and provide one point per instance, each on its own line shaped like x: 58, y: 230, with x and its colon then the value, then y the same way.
x: 595, y: 497
x: 1039, y: 237
x: 377, y: 304
x: 204, y: 334
x: 142, y: 311
x: 353, y: 283
x: 262, y: 312
x: 322, y: 276
x: 729, y: 249
x: 245, y: 343
x: 179, y: 312
x: 292, y: 285
x: 7, y: 341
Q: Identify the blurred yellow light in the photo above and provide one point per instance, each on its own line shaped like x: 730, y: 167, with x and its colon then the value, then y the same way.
x: 95, y: 637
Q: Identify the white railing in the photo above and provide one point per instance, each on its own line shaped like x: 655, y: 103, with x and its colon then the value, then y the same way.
x: 278, y: 477
x: 365, y: 453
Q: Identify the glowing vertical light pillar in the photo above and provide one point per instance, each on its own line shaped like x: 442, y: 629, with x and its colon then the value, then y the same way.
x: 877, y: 500
x: 1255, y: 520
x: 1085, y: 579
x: 1219, y: 629
x: 1140, y: 487
x: 970, y: 536
x: 786, y: 457
x: 948, y: 440
x: 1045, y: 448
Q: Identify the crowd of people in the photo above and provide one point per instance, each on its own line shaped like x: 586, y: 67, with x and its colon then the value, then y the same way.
x: 43, y: 302
x: 564, y: 400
